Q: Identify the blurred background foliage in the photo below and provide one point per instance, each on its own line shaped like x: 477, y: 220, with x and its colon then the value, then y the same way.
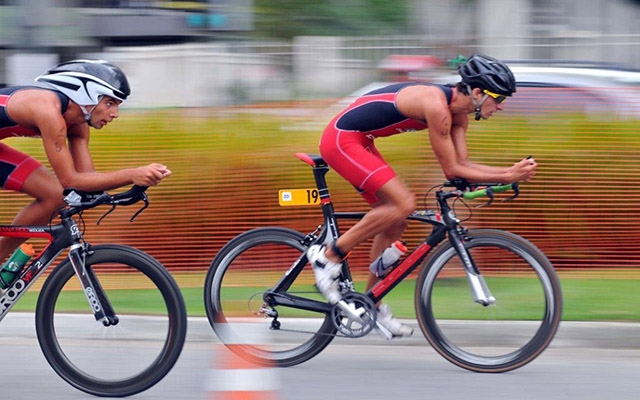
x: 228, y: 166
x: 286, y: 19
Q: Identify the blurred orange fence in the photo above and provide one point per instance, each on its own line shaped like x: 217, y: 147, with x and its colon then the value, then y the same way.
x: 582, y: 209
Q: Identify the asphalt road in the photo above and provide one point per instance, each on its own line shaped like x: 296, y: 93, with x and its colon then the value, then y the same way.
x: 585, y: 361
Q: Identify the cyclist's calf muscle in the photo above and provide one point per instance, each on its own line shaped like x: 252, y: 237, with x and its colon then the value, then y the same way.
x: 396, y: 203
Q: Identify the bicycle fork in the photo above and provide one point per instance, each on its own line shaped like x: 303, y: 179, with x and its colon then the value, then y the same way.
x: 479, y: 288
x: 91, y: 287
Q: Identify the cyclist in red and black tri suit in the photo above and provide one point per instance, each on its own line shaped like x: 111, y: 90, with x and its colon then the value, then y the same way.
x: 68, y: 99
x: 348, y: 146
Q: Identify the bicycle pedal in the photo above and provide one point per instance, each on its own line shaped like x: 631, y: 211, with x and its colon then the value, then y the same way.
x: 384, y: 331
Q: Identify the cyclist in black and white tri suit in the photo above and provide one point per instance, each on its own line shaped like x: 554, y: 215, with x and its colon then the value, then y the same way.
x: 70, y: 98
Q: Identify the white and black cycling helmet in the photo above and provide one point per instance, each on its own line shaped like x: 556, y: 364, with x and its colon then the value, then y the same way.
x: 86, y: 81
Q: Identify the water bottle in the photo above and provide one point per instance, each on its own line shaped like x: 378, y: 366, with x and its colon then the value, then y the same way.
x: 388, y: 259
x: 14, y: 264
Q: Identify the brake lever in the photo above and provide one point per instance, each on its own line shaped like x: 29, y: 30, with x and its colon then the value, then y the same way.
x: 516, y: 192
x: 113, y: 207
x: 491, y: 197
x: 146, y: 204
x: 143, y: 198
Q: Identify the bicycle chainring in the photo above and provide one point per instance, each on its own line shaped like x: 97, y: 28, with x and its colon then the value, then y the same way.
x: 361, y: 306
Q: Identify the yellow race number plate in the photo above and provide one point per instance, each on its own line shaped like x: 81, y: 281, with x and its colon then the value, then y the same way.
x: 299, y: 197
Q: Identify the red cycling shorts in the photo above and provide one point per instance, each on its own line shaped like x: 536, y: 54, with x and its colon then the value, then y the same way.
x: 15, y: 167
x: 354, y: 156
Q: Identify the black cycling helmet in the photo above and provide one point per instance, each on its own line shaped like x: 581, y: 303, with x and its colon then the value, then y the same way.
x: 485, y: 72
x: 85, y: 81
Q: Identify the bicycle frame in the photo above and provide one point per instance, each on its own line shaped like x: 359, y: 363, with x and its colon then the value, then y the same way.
x: 61, y: 236
x: 445, y: 223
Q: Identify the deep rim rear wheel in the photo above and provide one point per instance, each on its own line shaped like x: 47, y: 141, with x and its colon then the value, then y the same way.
x: 241, y: 272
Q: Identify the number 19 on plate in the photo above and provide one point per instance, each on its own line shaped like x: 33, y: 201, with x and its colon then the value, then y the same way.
x: 299, y: 197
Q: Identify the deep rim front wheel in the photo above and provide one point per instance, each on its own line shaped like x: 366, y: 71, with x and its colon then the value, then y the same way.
x: 127, y: 357
x: 497, y: 338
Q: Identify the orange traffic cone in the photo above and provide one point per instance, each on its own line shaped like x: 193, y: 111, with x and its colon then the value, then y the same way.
x: 234, y: 378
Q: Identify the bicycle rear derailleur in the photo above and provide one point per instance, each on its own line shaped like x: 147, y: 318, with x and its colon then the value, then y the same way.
x: 354, y: 315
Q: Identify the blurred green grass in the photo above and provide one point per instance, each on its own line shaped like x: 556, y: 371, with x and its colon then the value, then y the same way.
x: 585, y: 299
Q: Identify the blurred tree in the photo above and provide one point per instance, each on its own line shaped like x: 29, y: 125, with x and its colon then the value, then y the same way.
x: 286, y: 19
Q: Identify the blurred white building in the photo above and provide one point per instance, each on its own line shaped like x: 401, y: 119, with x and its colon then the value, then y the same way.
x: 176, y: 54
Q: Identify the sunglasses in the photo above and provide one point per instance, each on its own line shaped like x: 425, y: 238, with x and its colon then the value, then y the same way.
x: 497, y: 97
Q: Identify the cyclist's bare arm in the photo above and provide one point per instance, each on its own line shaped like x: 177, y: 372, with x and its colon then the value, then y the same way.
x: 523, y: 171
x: 447, y: 134
x: 446, y: 131
x: 68, y: 153
x: 78, y: 139
x: 78, y: 144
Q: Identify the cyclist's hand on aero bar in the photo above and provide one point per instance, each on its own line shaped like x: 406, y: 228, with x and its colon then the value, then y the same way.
x: 523, y: 170
x: 87, y: 200
x: 150, y: 175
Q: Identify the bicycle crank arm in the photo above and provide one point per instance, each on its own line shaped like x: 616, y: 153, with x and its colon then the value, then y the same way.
x: 479, y: 290
x: 351, y: 312
x: 384, y: 331
x: 354, y: 315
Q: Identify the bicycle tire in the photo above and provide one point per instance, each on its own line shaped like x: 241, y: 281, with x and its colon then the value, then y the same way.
x: 496, y: 338
x: 258, y: 259
x: 122, y: 359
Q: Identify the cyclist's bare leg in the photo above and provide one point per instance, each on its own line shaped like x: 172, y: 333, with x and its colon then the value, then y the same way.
x: 46, y: 190
x: 380, y: 242
x: 396, y: 203
x: 385, y: 223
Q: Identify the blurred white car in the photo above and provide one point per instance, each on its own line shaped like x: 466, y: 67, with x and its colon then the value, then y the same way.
x: 559, y: 89
x: 593, y: 90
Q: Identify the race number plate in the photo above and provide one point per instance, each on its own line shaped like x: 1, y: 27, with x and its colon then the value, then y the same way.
x: 299, y: 197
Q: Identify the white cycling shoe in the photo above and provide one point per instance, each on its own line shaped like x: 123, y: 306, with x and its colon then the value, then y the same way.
x: 326, y: 273
x: 391, y: 324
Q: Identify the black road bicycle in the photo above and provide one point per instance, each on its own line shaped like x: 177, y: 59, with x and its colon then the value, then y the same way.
x: 98, y: 336
x: 487, y: 300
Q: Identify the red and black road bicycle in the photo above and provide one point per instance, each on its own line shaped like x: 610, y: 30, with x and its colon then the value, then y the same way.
x: 487, y: 300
